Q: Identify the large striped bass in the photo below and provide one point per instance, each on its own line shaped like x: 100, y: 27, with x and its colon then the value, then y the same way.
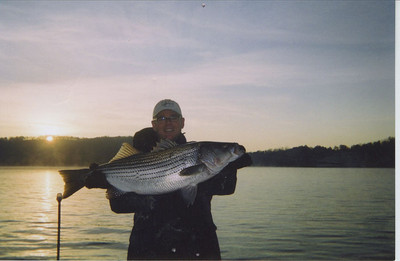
x: 169, y: 167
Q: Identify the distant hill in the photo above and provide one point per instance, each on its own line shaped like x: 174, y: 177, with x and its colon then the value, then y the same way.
x: 62, y: 151
x: 72, y: 151
x: 379, y: 154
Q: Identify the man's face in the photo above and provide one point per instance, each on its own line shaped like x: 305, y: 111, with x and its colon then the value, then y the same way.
x: 168, y: 124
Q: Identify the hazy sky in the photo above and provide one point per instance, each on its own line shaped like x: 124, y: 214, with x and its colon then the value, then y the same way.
x: 267, y: 74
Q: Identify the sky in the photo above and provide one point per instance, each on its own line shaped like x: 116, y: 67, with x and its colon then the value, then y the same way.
x: 265, y: 74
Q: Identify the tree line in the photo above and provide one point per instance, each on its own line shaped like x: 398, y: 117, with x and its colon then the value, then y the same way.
x: 72, y: 151
x: 62, y: 151
x: 379, y: 154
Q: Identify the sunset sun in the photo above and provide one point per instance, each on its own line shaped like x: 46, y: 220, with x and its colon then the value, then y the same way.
x: 49, y: 138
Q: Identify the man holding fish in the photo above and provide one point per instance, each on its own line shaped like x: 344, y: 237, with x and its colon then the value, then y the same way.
x: 168, y: 183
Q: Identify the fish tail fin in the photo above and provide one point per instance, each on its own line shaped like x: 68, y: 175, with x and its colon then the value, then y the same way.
x: 74, y: 180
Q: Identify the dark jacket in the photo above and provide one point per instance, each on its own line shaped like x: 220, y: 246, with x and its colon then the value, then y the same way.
x: 164, y: 226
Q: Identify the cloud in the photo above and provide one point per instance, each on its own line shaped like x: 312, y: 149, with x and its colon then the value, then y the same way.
x: 265, y: 72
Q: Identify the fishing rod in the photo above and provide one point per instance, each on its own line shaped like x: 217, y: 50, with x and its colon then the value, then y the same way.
x: 59, y: 198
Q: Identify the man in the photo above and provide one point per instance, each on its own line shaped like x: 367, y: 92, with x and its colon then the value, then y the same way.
x: 165, y: 227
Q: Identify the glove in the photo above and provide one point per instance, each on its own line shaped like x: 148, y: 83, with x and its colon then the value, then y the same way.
x: 96, y: 179
x: 244, y: 161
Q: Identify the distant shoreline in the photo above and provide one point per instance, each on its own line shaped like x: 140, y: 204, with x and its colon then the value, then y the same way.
x: 379, y: 154
x: 72, y: 151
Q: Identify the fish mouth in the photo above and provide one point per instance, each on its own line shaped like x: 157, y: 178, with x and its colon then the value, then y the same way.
x: 239, y: 150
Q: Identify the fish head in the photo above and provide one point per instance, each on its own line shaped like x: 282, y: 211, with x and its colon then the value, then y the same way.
x: 217, y: 155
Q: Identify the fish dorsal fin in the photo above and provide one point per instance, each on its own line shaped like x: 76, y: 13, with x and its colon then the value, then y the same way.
x: 164, y: 145
x: 125, y: 151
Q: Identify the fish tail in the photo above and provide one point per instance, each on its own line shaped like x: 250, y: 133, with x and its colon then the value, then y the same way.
x: 74, y: 180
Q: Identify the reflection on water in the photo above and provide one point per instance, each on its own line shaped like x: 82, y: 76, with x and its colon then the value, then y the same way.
x: 28, y: 220
x: 275, y: 213
x: 309, y: 213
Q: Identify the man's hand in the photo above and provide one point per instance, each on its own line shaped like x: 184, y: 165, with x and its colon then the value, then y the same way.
x: 96, y: 179
x: 243, y: 161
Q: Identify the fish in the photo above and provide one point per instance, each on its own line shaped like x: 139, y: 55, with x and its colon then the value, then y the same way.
x: 168, y: 167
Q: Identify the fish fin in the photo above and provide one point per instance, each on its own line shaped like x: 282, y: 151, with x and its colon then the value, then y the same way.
x: 189, y: 194
x: 74, y: 180
x: 193, y: 170
x: 164, y: 145
x: 125, y: 151
x: 113, y: 192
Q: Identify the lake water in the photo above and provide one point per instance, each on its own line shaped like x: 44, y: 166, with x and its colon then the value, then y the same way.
x: 275, y: 213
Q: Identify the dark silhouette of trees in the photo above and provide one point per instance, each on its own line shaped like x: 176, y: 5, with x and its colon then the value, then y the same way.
x: 62, y: 151
x: 380, y: 154
x: 71, y: 151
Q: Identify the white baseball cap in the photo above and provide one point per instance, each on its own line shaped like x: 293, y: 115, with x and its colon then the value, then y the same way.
x: 166, y: 104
